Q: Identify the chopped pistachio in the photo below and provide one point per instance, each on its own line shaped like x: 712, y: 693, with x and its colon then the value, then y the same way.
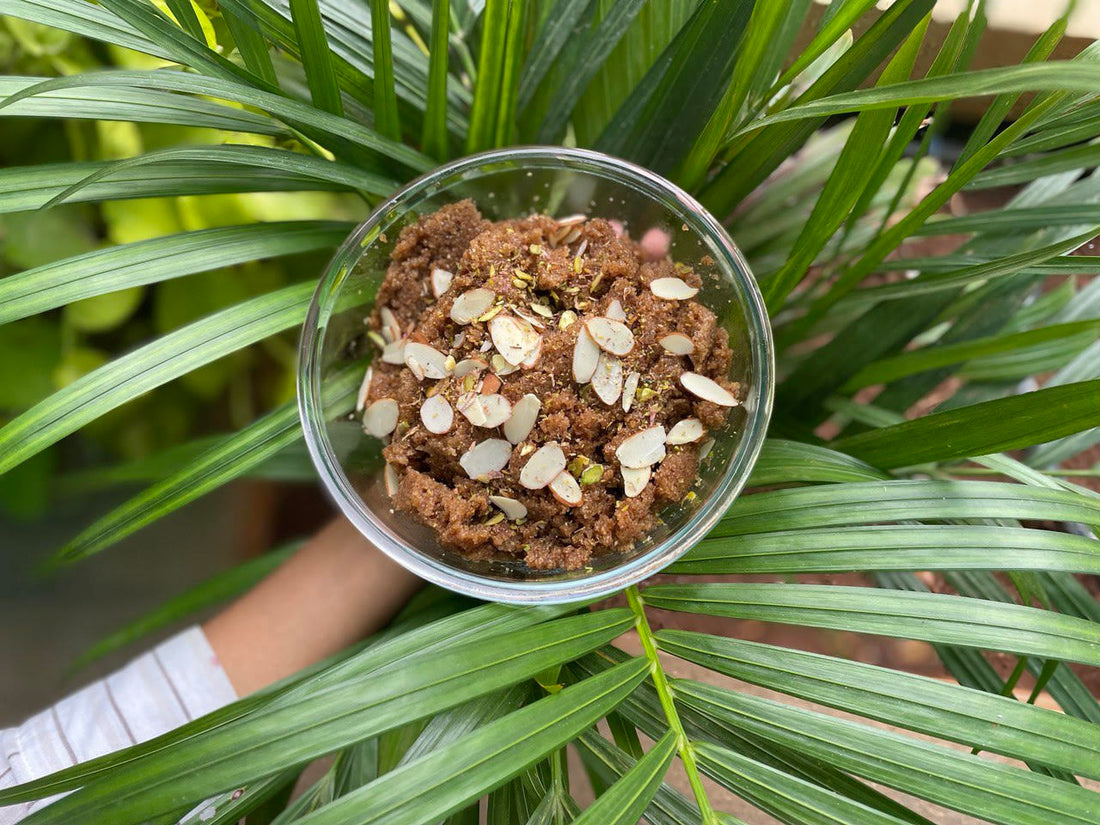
x: 449, y: 363
x: 568, y: 318
x: 592, y: 474
x: 690, y: 497
x: 492, y: 313
x: 543, y: 310
x: 519, y: 283
x: 535, y: 249
x: 595, y: 282
x: 523, y: 276
x: 526, y: 449
x: 377, y: 338
x: 578, y: 265
x: 644, y: 394
x: 496, y: 518
x: 468, y: 381
x: 578, y: 464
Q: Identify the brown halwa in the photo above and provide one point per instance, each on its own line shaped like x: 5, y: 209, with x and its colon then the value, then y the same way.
x: 545, y: 386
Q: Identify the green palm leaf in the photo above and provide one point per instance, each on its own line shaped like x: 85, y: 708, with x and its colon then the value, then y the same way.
x: 342, y: 713
x: 147, y: 262
x: 232, y: 457
x: 626, y: 800
x: 982, y: 428
x: 930, y: 617
x: 135, y: 105
x: 31, y: 187
x: 893, y: 547
x: 484, y: 759
x: 786, y: 797
x: 992, y: 723
x: 993, y: 791
x: 449, y: 704
x: 149, y: 367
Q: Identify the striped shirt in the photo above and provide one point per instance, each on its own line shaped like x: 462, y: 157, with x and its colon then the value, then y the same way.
x: 176, y: 682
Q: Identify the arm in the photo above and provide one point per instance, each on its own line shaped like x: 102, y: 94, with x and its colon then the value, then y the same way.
x: 333, y: 591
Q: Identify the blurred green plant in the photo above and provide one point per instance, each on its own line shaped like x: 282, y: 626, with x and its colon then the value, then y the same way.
x: 81, y: 337
x: 819, y: 159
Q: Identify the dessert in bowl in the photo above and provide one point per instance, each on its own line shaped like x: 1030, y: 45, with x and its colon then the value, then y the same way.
x: 570, y: 375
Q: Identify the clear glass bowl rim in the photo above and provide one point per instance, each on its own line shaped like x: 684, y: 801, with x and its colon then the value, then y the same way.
x: 548, y: 591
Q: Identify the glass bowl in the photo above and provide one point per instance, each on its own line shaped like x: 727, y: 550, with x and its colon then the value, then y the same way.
x: 512, y: 183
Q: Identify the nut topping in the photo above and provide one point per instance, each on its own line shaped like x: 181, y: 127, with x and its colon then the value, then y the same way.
x: 642, y: 449
x: 703, y: 387
x: 610, y: 335
x: 543, y: 467
x: 471, y: 304
x: 672, y: 289
x: 485, y: 459
x: 380, y: 419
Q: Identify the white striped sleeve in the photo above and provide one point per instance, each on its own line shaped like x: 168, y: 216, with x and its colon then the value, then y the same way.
x: 175, y: 682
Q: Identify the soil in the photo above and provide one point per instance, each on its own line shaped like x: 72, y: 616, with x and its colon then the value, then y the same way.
x: 576, y: 268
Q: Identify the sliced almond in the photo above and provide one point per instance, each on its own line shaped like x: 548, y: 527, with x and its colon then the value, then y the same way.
x: 469, y: 305
x: 394, y: 353
x: 615, y: 311
x: 364, y: 390
x: 391, y: 480
x: 415, y: 367
x: 572, y: 220
x: 468, y: 365
x: 678, y: 344
x: 469, y: 404
x: 525, y: 413
x: 486, y: 345
x: 643, y: 449
x: 432, y: 361
x: 441, y: 281
x: 566, y: 489
x: 672, y: 289
x: 586, y: 355
x: 610, y: 335
x: 437, y: 415
x: 635, y: 479
x: 485, y: 459
x: 391, y: 330
x: 380, y: 419
x: 607, y: 380
x: 630, y: 386
x: 533, y: 356
x: 498, y: 409
x: 500, y: 366
x: 543, y: 467
x: 705, y: 448
x: 513, y: 510
x: 702, y: 387
x: 685, y: 432
x: 514, y: 338
x: 529, y: 318
x: 459, y: 339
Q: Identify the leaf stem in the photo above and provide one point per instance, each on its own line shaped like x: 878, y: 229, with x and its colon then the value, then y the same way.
x: 664, y: 693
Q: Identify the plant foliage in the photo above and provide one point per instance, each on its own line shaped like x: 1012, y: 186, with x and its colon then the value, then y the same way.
x: 820, y: 163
